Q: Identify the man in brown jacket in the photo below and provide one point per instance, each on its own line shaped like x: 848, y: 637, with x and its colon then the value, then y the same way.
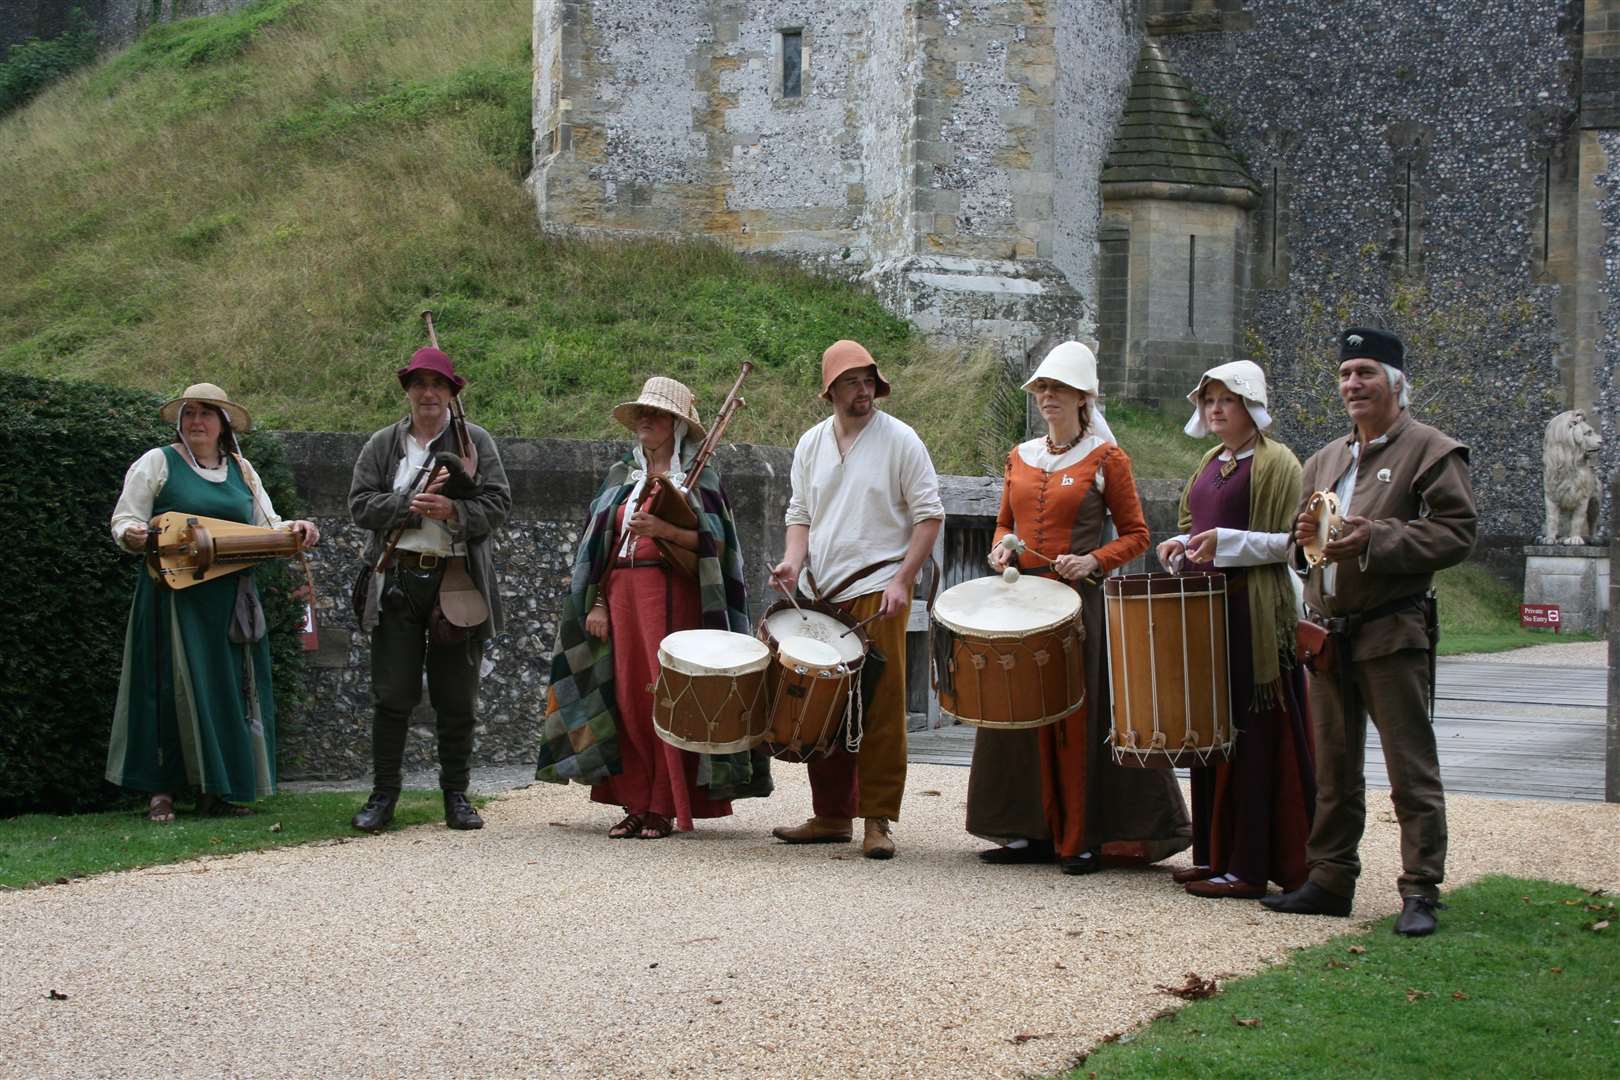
x: 1408, y: 509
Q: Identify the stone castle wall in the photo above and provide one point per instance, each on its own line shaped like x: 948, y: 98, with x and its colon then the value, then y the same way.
x: 1411, y: 143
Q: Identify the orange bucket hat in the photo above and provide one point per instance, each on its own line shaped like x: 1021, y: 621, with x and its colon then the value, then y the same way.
x: 846, y: 355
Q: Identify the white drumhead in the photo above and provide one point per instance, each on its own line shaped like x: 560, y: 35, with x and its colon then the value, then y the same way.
x: 712, y: 652
x: 808, y: 652
x: 791, y: 623
x: 991, y: 605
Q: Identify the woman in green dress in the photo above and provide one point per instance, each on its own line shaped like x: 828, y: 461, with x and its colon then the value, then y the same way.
x: 195, y: 707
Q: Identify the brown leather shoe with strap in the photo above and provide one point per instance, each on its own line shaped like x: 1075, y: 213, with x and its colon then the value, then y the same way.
x: 818, y: 830
x: 877, y: 844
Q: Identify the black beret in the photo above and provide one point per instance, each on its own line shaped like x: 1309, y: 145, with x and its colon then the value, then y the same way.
x: 1364, y: 343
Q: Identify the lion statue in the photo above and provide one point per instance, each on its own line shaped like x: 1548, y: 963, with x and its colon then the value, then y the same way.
x: 1569, y: 479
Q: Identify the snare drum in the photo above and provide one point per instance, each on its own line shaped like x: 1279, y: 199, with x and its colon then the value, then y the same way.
x: 710, y: 694
x: 1007, y: 654
x: 815, y: 679
x: 1167, y: 669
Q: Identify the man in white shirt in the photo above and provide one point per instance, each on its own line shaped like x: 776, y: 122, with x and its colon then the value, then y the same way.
x: 864, y: 514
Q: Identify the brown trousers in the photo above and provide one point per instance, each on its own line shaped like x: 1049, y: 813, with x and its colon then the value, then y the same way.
x: 870, y: 783
x: 1394, y: 689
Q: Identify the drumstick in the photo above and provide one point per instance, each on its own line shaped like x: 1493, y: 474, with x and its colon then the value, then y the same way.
x: 1013, y: 544
x: 792, y: 600
x: 860, y: 624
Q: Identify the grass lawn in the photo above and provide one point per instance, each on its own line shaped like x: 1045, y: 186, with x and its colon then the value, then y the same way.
x: 1521, y: 981
x: 41, y: 848
x: 1480, y: 613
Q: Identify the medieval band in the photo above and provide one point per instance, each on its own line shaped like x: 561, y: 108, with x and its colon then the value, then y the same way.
x: 1294, y: 603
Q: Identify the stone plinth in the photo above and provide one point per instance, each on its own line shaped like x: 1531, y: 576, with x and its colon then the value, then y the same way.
x: 1574, y: 577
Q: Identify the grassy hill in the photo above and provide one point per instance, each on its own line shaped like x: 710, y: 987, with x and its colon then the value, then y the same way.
x: 266, y: 200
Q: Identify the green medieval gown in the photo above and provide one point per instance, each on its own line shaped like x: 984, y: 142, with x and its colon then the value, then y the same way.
x: 201, y: 712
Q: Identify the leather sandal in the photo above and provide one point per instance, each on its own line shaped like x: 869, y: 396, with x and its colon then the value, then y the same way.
x: 655, y: 827
x: 1191, y: 873
x: 627, y: 829
x: 160, y: 809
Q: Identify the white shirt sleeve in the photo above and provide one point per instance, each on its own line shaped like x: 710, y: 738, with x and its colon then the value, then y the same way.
x: 144, y: 479
x: 798, y: 510
x: 264, y: 512
x: 1239, y: 547
x: 919, y: 481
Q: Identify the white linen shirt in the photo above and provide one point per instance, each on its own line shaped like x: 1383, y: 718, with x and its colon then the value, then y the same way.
x: 861, y: 506
x: 146, y: 477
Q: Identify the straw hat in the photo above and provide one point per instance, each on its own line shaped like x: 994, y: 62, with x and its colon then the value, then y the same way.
x: 1245, y: 379
x: 208, y: 394
x: 665, y: 395
x: 1072, y: 364
x: 846, y: 355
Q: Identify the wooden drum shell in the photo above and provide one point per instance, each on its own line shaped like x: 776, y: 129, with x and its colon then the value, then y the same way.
x: 1013, y: 683
x: 1167, y: 665
x: 799, y: 704
x: 721, y: 711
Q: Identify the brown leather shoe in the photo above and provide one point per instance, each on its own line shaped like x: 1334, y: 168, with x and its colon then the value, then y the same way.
x: 1191, y: 873
x: 1226, y: 890
x: 818, y: 830
x: 877, y: 844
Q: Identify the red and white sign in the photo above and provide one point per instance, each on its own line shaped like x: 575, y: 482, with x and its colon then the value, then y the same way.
x: 1539, y: 616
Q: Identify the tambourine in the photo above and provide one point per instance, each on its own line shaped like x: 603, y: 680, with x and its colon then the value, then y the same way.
x: 1323, y: 506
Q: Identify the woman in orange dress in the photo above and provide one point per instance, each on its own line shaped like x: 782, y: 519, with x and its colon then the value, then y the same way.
x: 1055, y: 791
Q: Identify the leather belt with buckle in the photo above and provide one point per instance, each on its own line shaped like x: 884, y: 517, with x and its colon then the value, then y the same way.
x: 417, y: 560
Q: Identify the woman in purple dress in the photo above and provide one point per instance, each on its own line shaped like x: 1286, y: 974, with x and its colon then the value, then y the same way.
x: 1252, y: 814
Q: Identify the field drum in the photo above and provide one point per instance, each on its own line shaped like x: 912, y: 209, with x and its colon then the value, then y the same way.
x: 814, y: 685
x: 1167, y: 668
x: 710, y: 694
x: 1008, y: 654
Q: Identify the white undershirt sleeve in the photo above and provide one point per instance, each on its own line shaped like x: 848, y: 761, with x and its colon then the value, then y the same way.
x: 144, y: 479
x: 1240, y: 547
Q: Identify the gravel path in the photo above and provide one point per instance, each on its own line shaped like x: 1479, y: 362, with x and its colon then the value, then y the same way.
x: 538, y: 947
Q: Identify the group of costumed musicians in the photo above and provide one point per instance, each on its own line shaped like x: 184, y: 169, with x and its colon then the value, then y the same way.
x: 862, y: 519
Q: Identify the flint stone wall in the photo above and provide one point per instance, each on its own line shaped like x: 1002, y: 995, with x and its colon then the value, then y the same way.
x: 553, y: 481
x: 1476, y: 98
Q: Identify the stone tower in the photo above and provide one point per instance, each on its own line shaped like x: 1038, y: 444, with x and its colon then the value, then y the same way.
x: 1174, y: 242
x: 946, y: 151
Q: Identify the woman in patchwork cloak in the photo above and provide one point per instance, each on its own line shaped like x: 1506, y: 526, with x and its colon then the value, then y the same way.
x: 625, y: 597
x: 195, y: 707
x: 1252, y: 814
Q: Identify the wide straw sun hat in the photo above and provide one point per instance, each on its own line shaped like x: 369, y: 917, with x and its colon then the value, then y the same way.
x: 206, y: 393
x: 665, y: 395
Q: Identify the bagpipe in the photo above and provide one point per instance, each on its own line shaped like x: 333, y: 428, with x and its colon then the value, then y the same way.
x: 453, y: 452
x: 668, y: 500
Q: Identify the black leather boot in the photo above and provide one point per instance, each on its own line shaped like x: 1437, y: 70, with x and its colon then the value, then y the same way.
x: 1417, y: 916
x: 377, y: 813
x: 459, y: 813
x: 1309, y: 899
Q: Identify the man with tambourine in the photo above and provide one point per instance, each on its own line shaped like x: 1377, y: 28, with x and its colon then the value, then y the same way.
x: 1408, y: 511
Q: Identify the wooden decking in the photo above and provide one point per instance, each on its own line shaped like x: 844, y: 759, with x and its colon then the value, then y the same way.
x: 1517, y: 731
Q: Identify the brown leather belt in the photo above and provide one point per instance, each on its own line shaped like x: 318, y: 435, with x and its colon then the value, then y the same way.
x: 416, y: 560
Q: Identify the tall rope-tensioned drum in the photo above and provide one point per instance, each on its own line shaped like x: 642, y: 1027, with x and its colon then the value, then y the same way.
x: 1172, y: 702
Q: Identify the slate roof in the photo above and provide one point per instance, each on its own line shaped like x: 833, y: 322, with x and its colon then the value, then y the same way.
x: 1165, y: 136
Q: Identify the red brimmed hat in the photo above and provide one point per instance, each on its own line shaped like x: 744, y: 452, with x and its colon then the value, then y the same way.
x: 427, y: 358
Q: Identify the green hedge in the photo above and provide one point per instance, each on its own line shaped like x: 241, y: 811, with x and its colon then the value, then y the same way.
x: 64, y: 449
